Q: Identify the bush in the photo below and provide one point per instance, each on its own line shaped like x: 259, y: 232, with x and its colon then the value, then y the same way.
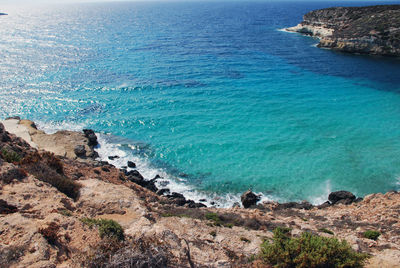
x: 46, y: 168
x: 371, y: 234
x: 13, y: 174
x: 107, y: 228
x: 327, y: 231
x: 143, y: 252
x: 50, y: 233
x: 214, y: 218
x: 309, y: 250
x: 10, y: 156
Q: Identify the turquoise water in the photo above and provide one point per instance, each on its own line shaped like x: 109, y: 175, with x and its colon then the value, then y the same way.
x: 210, y: 95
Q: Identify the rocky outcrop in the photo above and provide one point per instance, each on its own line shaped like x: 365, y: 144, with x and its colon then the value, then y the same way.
x: 365, y: 30
x: 249, y: 199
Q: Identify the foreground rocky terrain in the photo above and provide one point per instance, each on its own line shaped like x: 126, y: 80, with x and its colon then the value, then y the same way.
x: 365, y: 30
x: 51, y: 203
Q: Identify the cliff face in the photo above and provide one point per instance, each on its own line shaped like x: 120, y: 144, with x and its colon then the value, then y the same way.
x: 366, y: 30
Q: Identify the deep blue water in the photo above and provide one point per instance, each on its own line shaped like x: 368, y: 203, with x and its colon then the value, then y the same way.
x: 210, y: 95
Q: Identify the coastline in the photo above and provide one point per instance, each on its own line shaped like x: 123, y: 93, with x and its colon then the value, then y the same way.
x: 371, y: 30
x: 217, y: 237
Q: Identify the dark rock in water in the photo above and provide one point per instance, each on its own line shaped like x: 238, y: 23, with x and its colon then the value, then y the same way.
x: 163, y: 191
x: 192, y: 204
x: 91, y: 136
x: 176, y: 195
x: 303, y: 205
x: 5, y: 208
x: 249, y: 199
x: 344, y: 197
x: 134, y: 173
x: 157, y: 177
x: 235, y: 205
x: 13, y: 117
x: 324, y: 205
x: 203, y: 200
x: 131, y: 164
x: 112, y: 157
x: 80, y: 151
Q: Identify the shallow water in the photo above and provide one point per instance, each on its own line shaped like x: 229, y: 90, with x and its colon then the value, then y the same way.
x: 212, y: 96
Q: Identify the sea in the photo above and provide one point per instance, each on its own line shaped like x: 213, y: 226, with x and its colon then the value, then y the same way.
x: 212, y: 96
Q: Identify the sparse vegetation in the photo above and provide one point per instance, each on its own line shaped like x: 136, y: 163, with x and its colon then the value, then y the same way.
x: 50, y: 233
x: 13, y: 174
x: 213, y: 233
x: 327, y: 231
x: 371, y: 234
x: 10, y: 254
x: 214, y: 218
x: 46, y: 167
x: 10, y: 156
x: 309, y: 250
x: 107, y: 228
x: 65, y: 212
x: 144, y: 252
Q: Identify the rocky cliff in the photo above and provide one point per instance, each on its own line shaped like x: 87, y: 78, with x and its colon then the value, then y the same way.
x: 365, y: 30
x: 61, y: 210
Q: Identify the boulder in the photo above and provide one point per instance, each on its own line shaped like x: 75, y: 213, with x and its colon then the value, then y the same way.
x: 131, y: 164
x: 249, y: 199
x: 112, y: 157
x: 344, y: 197
x: 91, y: 136
x: 80, y: 151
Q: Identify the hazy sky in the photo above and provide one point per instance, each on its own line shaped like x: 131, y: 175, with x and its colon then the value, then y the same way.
x: 16, y: 2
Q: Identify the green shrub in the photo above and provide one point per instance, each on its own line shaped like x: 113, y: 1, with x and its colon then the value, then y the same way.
x: 50, y: 233
x: 371, y: 234
x: 107, y: 228
x: 309, y: 250
x: 327, y: 231
x: 213, y: 233
x: 65, y: 212
x: 214, y: 218
x: 10, y: 156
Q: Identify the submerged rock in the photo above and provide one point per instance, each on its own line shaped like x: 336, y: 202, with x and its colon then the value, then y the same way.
x: 249, y: 199
x: 131, y: 164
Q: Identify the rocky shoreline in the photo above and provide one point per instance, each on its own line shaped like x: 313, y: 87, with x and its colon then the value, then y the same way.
x: 33, y: 202
x: 373, y: 30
